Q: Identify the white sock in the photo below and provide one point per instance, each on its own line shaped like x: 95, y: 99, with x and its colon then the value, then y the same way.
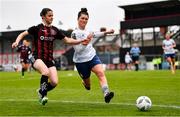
x: 105, y: 89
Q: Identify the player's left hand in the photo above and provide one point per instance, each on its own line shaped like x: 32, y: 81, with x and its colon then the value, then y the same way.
x: 15, y: 44
x: 110, y: 31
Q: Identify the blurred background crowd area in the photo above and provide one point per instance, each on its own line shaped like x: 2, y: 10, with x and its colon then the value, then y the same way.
x: 145, y: 24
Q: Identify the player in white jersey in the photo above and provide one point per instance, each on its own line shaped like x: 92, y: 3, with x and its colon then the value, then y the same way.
x: 85, y: 57
x: 168, y: 47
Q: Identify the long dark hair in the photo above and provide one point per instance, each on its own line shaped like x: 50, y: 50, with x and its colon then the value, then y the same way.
x: 44, y: 11
x: 83, y: 11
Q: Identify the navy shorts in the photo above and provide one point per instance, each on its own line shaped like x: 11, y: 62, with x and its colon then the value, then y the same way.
x: 135, y: 58
x: 84, y: 69
x: 170, y: 55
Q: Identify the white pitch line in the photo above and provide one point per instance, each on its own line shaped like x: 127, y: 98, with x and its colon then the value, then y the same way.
x: 87, y: 102
x: 32, y: 78
x: 19, y: 79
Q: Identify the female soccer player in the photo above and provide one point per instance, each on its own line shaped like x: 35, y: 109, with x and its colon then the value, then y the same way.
x: 168, y: 47
x: 42, y: 59
x: 25, y: 51
x: 85, y: 57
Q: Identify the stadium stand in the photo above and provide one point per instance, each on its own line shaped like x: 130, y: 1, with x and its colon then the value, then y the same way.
x: 146, y: 24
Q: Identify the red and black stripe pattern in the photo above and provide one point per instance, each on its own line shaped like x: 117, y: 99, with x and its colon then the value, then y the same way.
x: 24, y: 51
x: 43, y: 41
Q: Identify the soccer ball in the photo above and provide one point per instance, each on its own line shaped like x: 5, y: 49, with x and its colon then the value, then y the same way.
x: 143, y: 103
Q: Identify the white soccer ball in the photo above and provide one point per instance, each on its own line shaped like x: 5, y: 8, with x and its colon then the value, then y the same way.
x: 143, y: 103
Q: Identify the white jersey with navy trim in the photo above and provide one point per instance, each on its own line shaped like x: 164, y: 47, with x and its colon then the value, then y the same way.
x: 167, y: 44
x: 84, y: 53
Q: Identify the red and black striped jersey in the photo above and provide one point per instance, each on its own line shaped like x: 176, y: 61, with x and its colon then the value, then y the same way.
x: 25, y: 51
x: 43, y: 40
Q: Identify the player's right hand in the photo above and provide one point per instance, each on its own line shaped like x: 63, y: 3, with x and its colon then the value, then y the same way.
x: 85, y: 41
x: 15, y: 44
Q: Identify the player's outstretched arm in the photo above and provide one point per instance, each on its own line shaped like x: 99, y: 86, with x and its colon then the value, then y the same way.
x: 111, y: 31
x: 100, y: 34
x: 76, y: 42
x: 19, y: 38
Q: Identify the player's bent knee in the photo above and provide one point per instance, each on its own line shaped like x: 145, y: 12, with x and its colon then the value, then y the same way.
x: 100, y: 74
x: 54, y: 83
x: 25, y: 68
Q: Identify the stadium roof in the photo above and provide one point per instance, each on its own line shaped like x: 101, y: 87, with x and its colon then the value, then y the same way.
x: 153, y: 14
x: 152, y: 5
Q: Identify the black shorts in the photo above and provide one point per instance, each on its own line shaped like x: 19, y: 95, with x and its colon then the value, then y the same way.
x: 135, y: 58
x: 49, y: 64
x: 25, y: 61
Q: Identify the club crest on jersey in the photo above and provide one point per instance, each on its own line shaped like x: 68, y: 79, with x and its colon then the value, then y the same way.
x: 45, y: 32
x: 53, y: 32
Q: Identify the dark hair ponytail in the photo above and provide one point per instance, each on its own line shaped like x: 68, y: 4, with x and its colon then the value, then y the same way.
x: 83, y: 11
x: 44, y: 11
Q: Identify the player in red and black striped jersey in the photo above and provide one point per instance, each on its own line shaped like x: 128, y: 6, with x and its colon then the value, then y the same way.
x: 25, y: 51
x: 42, y: 60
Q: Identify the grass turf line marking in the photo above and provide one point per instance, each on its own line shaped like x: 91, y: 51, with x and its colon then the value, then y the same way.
x: 85, y: 102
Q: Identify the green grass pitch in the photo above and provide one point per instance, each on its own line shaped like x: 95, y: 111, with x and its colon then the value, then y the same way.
x: 18, y: 96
